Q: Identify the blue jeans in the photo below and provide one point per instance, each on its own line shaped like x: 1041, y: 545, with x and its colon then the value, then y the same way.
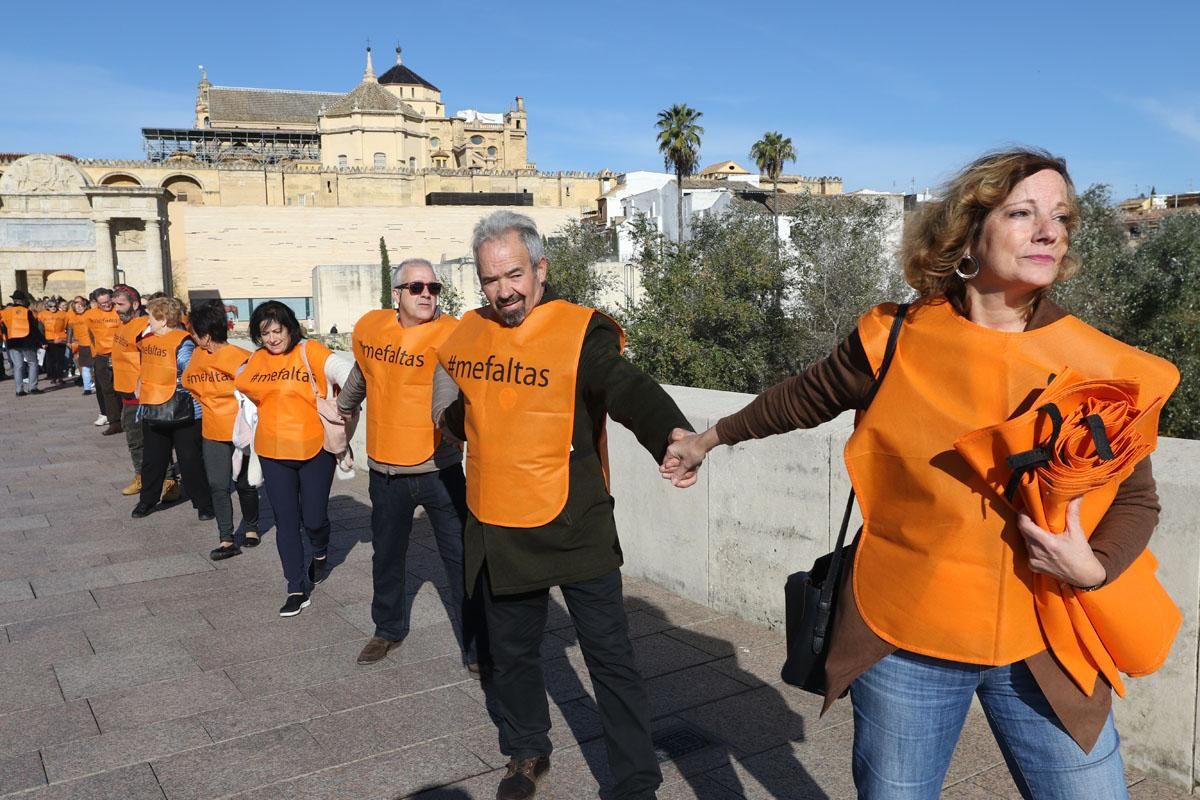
x: 299, y: 495
x: 909, y: 711
x: 24, y: 368
x: 394, y: 499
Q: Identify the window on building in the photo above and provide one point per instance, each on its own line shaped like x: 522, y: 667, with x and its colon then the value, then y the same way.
x: 412, y: 162
x: 476, y: 139
x: 181, y: 197
x: 343, y: 161
x: 492, y: 152
x: 568, y: 191
x: 380, y: 161
x: 435, y: 142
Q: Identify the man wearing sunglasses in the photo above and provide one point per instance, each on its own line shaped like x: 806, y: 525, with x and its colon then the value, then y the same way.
x: 412, y: 464
x: 538, y: 376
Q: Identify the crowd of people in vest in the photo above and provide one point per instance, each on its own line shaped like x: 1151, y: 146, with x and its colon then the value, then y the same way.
x: 937, y: 608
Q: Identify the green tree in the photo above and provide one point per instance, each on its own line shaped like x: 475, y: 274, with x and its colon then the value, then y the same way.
x: 385, y: 275
x: 449, y: 301
x: 679, y: 141
x: 573, y: 252
x: 770, y: 153
x: 1100, y: 293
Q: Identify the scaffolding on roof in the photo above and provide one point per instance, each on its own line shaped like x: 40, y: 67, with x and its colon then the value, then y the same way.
x: 217, y: 146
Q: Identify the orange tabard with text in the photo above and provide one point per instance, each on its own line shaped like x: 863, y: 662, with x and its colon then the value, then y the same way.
x: 288, y: 425
x: 102, y: 326
x: 940, y: 567
x: 126, y: 357
x: 519, y: 388
x: 398, y: 364
x: 16, y: 321
x: 209, y: 377
x: 77, y: 327
x: 54, y: 324
x: 160, y: 369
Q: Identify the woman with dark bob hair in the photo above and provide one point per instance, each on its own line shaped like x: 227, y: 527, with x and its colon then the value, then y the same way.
x: 937, y: 603
x: 282, y: 379
x: 209, y: 379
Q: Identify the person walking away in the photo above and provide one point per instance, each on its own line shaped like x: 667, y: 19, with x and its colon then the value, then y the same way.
x: 54, y: 326
x: 22, y: 337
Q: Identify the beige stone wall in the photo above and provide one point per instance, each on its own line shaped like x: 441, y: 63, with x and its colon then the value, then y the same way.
x: 271, y: 252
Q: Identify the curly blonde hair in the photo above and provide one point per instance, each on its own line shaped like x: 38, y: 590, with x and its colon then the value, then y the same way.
x: 165, y: 308
x: 936, y: 241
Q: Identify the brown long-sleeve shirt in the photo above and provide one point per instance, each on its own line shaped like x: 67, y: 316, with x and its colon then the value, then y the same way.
x: 843, y: 381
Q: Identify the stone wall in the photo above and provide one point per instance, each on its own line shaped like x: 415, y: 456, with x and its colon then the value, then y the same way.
x: 764, y: 509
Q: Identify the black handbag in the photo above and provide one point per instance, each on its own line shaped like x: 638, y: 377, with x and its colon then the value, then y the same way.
x: 810, y: 598
x: 175, y: 412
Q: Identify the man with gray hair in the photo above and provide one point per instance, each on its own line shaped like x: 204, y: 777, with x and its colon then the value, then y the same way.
x: 538, y: 376
x: 411, y: 463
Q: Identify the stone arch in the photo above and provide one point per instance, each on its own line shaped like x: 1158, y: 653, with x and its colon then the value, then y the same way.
x: 120, y: 179
x: 184, y: 188
x: 66, y: 282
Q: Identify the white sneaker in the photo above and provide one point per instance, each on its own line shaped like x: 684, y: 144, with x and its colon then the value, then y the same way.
x: 100, y: 420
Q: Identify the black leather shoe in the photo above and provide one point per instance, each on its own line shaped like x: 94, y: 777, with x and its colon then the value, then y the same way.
x: 141, y: 510
x: 521, y: 777
x: 251, y: 541
x: 318, y: 570
x: 205, y: 516
x: 222, y: 553
x: 376, y: 650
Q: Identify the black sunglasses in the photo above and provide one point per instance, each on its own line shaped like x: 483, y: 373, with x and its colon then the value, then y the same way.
x: 417, y: 287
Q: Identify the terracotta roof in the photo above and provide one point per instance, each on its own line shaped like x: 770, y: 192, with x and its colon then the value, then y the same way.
x: 232, y: 104
x: 403, y: 76
x: 369, y: 96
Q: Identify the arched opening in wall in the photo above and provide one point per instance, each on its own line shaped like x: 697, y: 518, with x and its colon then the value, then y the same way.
x: 120, y: 179
x: 66, y: 282
x: 184, y: 189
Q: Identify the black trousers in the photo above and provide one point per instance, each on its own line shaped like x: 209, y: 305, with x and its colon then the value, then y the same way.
x: 299, y: 495
x: 106, y: 396
x: 516, y: 625
x: 157, y: 443
x: 218, y: 467
x: 56, y: 361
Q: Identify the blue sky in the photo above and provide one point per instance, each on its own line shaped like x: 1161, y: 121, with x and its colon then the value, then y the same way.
x: 887, y: 95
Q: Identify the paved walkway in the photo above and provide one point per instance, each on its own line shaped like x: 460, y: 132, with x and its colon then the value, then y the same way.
x: 133, y: 667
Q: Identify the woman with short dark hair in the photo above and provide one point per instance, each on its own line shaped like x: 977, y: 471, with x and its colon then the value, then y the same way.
x: 209, y: 377
x: 282, y: 378
x: 939, y: 605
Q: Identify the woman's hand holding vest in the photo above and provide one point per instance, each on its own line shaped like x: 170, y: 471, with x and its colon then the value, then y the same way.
x: 1065, y: 556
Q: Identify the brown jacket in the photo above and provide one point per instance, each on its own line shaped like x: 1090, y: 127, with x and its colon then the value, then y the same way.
x: 843, y: 381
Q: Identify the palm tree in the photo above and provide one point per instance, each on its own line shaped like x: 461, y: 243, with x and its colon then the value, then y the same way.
x: 679, y: 142
x: 770, y: 153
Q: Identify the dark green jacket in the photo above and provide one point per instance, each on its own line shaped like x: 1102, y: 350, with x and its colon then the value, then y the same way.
x: 581, y: 542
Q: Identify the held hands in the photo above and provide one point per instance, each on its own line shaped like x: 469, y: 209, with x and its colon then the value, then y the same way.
x: 685, y: 454
x: 1066, y: 556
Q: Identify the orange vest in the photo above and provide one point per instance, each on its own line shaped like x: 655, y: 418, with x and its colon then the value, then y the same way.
x: 55, y: 325
x: 288, y: 425
x: 519, y: 388
x: 940, y: 567
x: 398, y: 364
x: 102, y: 326
x: 209, y: 377
x: 126, y: 357
x: 160, y: 368
x: 77, y: 326
x: 16, y: 322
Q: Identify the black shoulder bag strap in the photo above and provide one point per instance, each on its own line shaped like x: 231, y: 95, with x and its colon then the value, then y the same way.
x: 831, y: 582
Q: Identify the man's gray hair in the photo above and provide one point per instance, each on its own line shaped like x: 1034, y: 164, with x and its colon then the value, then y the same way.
x: 398, y: 270
x: 498, y: 224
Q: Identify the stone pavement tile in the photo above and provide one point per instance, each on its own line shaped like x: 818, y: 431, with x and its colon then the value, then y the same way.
x: 566, y: 679
x: 699, y: 787
x: 168, y: 566
x: 22, y: 771
x: 239, y: 765
x: 1151, y: 789
x: 240, y: 605
x: 382, y: 777
x: 110, y: 750
x: 688, y: 688
x: 147, y: 630
x: 15, y: 589
x: 28, y: 686
x: 94, y: 619
x: 725, y: 636
x: 676, y: 610
x: 45, y: 725
x: 658, y: 654
x: 72, y: 581
x: 347, y: 584
x: 756, y: 720
x: 37, y: 562
x: 359, y: 615
x: 643, y: 623
x: 362, y: 732
x: 818, y: 767
x: 271, y: 637
x: 25, y: 610
x: 756, y: 667
x: 570, y: 723
x: 263, y: 713
x: 127, y: 783
x: 212, y: 582
x: 23, y: 523
x: 43, y: 650
x: 967, y: 791
x: 977, y: 751
x: 154, y: 702
x: 388, y: 684
x: 285, y: 673
x: 87, y: 676
x: 996, y: 781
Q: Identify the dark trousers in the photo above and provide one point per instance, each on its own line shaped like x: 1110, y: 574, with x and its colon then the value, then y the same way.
x: 218, y: 466
x: 516, y: 625
x: 55, y: 361
x: 133, y: 433
x: 157, y: 443
x: 394, y: 499
x: 299, y: 494
x: 105, y: 395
